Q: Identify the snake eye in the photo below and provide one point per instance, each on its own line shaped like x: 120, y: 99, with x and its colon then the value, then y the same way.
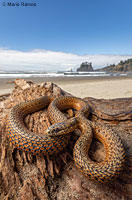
x: 56, y: 130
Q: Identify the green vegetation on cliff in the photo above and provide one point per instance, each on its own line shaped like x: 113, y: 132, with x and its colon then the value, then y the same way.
x: 122, y: 66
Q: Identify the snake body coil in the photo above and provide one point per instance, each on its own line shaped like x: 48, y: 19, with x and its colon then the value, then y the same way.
x: 57, y: 136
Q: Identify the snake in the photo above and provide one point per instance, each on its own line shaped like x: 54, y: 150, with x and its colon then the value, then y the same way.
x: 56, y: 137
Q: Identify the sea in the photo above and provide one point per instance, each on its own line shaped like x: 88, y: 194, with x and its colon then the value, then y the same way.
x: 27, y: 74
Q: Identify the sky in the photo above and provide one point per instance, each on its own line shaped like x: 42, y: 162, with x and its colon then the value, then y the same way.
x: 61, y: 34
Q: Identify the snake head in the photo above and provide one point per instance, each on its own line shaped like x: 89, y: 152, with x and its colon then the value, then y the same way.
x: 62, y: 128
x: 55, y: 129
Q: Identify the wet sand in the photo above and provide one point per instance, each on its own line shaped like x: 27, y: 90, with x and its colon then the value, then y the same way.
x: 98, y: 87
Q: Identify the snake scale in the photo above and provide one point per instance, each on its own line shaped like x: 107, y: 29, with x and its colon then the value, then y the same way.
x: 57, y: 136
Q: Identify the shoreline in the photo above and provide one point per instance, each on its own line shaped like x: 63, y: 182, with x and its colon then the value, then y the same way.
x: 97, y: 87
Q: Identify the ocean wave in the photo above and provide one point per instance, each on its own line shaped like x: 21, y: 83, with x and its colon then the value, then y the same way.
x: 57, y: 74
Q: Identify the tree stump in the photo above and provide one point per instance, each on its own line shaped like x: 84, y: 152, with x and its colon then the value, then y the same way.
x: 24, y: 176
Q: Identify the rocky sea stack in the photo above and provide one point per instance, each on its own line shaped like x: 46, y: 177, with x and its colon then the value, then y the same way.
x: 85, y: 67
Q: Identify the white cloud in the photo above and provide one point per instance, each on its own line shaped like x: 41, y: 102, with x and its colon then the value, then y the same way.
x: 52, y: 61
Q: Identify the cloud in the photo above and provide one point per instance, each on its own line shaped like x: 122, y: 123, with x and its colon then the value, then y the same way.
x: 45, y: 60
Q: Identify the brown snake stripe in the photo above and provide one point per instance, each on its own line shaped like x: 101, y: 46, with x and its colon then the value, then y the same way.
x: 57, y: 136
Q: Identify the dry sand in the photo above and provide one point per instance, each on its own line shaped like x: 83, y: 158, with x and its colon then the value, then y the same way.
x: 101, y: 89
x: 110, y: 87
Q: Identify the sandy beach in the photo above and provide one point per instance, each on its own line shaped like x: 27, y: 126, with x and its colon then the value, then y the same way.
x: 98, y: 87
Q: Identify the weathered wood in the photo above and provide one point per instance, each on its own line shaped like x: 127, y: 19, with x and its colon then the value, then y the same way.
x: 119, y: 109
x: 24, y: 176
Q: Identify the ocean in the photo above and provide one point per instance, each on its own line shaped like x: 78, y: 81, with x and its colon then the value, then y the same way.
x: 26, y: 74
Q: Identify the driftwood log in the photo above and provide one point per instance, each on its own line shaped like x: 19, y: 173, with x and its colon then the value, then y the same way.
x: 24, y: 176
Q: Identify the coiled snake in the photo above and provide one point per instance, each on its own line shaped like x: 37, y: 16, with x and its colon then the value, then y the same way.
x: 57, y: 136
